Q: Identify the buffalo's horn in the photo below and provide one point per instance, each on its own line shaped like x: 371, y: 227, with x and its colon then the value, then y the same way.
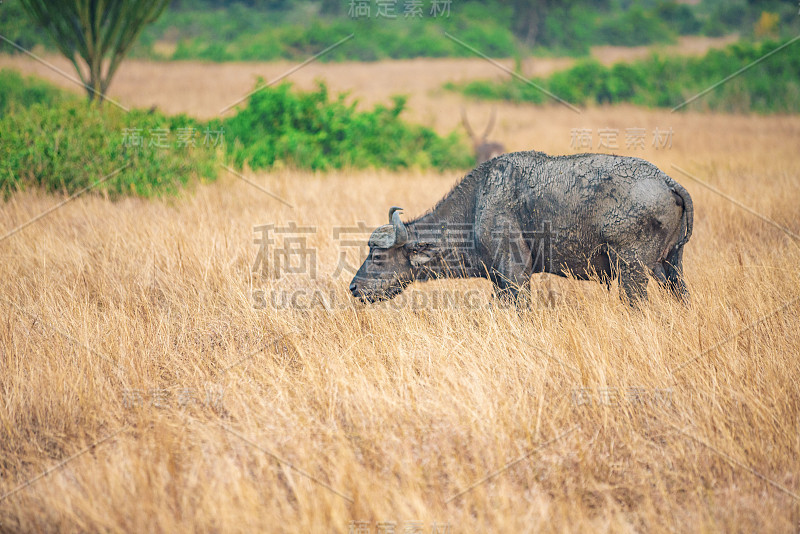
x: 400, y: 232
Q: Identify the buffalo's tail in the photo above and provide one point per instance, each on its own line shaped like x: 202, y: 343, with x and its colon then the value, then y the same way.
x: 673, y: 266
x: 687, y: 220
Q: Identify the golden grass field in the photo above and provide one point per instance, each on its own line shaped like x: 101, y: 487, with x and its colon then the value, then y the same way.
x: 137, y: 320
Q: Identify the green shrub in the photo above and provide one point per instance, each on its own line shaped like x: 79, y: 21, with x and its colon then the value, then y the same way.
x: 633, y: 27
x: 18, y: 92
x: 769, y: 86
x: 569, y: 30
x: 719, y: 17
x: 681, y: 17
x: 70, y: 144
x: 311, y: 130
x: 59, y: 142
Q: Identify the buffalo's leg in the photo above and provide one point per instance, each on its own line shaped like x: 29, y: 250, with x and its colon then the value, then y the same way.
x: 606, y: 280
x: 632, y: 278
x: 511, y: 275
x: 508, y: 291
x: 659, y: 274
x: 673, y: 274
x: 633, y: 282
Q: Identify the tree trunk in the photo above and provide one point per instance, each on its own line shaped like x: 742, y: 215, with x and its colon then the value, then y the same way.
x: 92, y: 30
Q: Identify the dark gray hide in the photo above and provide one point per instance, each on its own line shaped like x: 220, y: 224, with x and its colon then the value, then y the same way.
x: 584, y: 215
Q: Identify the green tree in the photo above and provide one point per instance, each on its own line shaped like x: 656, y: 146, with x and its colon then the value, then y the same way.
x: 100, y: 32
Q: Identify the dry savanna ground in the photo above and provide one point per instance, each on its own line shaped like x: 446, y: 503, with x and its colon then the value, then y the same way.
x: 152, y: 382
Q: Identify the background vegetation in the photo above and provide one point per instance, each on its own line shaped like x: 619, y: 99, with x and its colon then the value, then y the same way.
x: 219, y: 30
x: 768, y: 87
x: 58, y: 142
x: 52, y: 139
x: 311, y: 130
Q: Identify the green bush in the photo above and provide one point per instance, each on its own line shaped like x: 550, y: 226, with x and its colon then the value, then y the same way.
x: 680, y: 17
x: 569, y: 30
x: 18, y: 92
x: 770, y: 86
x: 311, y: 130
x: 720, y: 17
x: 633, y: 27
x: 59, y: 142
x: 69, y: 144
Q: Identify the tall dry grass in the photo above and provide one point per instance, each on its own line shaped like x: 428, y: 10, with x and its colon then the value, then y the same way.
x: 593, y: 416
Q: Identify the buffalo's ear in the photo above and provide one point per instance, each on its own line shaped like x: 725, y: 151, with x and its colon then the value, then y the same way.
x: 420, y: 253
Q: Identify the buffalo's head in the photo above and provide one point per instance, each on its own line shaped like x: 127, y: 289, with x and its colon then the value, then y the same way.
x: 394, y: 261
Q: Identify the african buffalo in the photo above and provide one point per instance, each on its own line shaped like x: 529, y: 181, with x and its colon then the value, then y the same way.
x: 585, y: 216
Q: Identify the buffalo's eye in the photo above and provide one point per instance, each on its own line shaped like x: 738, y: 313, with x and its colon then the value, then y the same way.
x: 378, y: 258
